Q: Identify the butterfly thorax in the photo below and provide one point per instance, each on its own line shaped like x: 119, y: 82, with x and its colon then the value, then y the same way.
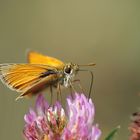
x: 69, y: 73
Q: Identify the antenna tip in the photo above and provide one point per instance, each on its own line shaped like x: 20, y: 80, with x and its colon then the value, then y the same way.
x: 92, y: 64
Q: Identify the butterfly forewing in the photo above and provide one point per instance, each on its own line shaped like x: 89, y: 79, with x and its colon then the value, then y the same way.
x: 37, y: 58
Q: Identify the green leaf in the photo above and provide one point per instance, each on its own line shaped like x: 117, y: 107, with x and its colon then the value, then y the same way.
x: 112, y: 133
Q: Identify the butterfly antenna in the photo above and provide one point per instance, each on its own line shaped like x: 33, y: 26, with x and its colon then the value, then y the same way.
x: 90, y: 64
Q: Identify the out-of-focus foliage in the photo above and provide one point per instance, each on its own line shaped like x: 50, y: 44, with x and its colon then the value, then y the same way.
x: 112, y: 134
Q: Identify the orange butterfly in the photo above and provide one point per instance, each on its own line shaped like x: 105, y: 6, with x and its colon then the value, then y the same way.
x: 41, y: 72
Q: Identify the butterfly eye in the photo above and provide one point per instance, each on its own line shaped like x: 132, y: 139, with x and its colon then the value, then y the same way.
x: 68, y: 70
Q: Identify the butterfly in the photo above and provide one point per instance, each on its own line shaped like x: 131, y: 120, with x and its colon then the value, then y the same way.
x: 41, y: 72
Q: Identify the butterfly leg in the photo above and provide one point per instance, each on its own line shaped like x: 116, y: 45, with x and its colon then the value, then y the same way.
x: 51, y: 90
x: 79, y: 84
x: 72, y: 89
x: 71, y: 92
x: 91, y: 82
x: 59, y: 92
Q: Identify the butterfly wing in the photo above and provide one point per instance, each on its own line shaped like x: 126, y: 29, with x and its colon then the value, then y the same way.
x: 24, y: 77
x: 37, y: 58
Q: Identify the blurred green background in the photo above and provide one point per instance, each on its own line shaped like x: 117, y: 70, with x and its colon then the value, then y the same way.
x: 80, y: 31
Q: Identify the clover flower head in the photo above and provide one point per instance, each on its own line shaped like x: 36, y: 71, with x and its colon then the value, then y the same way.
x: 53, y: 123
x: 135, y: 126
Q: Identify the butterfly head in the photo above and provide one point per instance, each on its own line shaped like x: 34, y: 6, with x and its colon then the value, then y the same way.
x: 69, y: 71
